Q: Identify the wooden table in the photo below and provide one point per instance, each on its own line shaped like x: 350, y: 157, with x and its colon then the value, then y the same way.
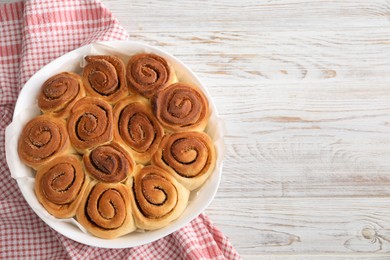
x: 304, y: 90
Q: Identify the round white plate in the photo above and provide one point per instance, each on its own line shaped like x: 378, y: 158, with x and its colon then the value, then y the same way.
x: 26, y: 108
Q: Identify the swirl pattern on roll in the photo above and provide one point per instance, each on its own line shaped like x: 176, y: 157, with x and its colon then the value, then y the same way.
x: 108, y: 163
x: 188, y: 156
x: 105, y: 210
x: 59, y: 93
x: 104, y: 77
x: 60, y: 184
x: 157, y: 197
x: 148, y: 73
x: 181, y: 107
x: 137, y: 128
x: 90, y: 123
x: 42, y: 138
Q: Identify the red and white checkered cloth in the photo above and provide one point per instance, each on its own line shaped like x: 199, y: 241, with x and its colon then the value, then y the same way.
x: 32, y: 34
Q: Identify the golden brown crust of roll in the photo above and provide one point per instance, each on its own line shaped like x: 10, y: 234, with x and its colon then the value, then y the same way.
x: 105, y: 210
x: 43, y: 138
x: 156, y: 197
x: 188, y: 156
x: 137, y: 128
x: 108, y: 163
x: 60, y: 185
x: 90, y: 123
x: 104, y: 77
x: 181, y: 107
x: 59, y: 93
x: 148, y: 73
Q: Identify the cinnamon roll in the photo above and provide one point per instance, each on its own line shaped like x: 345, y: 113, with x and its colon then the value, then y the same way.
x: 147, y: 73
x: 59, y: 93
x: 104, y: 77
x: 60, y: 184
x: 137, y: 128
x: 108, y: 163
x: 188, y: 156
x: 157, y: 198
x: 43, y: 138
x: 90, y: 123
x: 181, y: 107
x: 105, y: 210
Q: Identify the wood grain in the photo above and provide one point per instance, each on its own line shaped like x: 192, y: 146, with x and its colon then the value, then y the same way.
x: 304, y: 90
x: 294, y: 226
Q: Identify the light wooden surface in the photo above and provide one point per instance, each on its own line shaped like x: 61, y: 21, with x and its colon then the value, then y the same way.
x: 304, y: 90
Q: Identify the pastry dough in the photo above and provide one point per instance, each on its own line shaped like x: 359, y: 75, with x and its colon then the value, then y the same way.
x: 137, y: 128
x: 105, y: 210
x: 156, y: 198
x: 60, y: 185
x: 43, y: 138
x: 90, y: 124
x: 188, y: 156
x: 104, y: 77
x: 147, y: 73
x: 59, y: 93
x: 108, y: 163
x: 120, y: 147
x: 181, y: 107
